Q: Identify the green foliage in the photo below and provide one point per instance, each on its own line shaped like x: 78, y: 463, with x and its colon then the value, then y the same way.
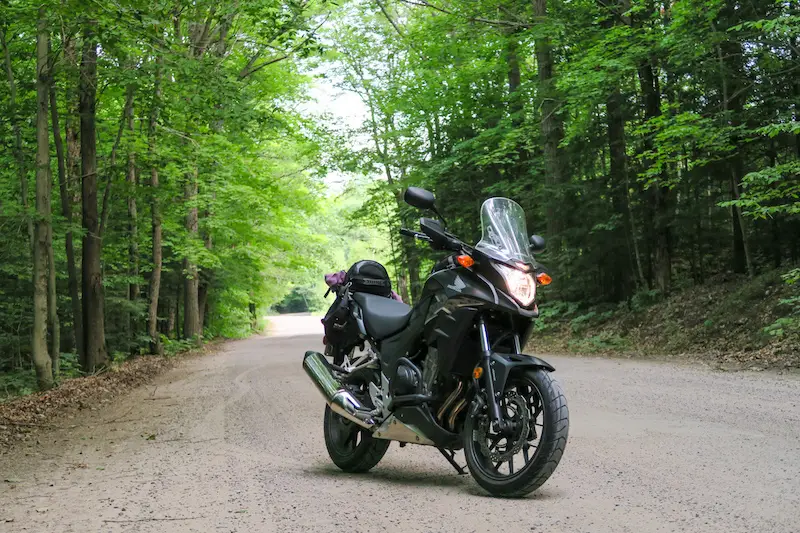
x: 644, y: 299
x: 174, y: 347
x: 16, y: 383
x: 297, y: 301
x: 553, y: 314
x: 580, y: 322
x: 602, y: 343
x: 216, y: 91
x: 69, y: 365
x: 789, y: 324
x: 443, y: 113
x: 231, y: 317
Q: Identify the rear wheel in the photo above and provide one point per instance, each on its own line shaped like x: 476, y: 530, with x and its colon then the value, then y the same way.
x: 517, y: 461
x: 351, y: 447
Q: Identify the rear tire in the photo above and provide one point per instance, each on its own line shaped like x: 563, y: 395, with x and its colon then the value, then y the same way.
x: 551, y: 439
x: 351, y: 447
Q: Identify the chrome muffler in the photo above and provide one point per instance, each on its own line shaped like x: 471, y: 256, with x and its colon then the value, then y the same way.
x: 340, y: 400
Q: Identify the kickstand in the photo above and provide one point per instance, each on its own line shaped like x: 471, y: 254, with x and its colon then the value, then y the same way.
x: 450, y: 455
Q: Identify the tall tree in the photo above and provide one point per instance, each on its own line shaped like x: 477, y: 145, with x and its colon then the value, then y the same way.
x: 66, y: 212
x: 154, y: 287
x: 551, y: 125
x: 133, y: 237
x: 192, y: 328
x: 93, y: 297
x: 42, y: 243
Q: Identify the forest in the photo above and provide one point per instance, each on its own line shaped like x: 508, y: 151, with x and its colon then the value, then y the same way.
x: 163, y: 183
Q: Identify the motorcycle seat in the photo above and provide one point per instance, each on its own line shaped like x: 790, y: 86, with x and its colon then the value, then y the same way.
x: 382, y: 316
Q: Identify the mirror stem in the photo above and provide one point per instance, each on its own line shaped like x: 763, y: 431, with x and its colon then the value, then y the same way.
x: 438, y: 214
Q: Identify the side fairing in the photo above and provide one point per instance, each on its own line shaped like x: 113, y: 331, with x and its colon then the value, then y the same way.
x: 461, y: 286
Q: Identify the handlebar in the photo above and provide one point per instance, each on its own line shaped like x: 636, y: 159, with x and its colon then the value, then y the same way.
x: 452, y: 243
x: 415, y: 234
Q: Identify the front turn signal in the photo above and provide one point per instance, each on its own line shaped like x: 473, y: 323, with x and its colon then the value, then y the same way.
x: 544, y: 278
x: 478, y: 372
x: 465, y: 261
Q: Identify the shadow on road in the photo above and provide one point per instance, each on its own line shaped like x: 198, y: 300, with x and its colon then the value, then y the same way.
x: 540, y: 494
x: 410, y: 478
x: 395, y: 476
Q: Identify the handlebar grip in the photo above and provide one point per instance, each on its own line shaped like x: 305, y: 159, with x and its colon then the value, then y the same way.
x: 415, y: 234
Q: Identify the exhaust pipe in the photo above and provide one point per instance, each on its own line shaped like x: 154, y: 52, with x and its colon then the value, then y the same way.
x: 340, y: 400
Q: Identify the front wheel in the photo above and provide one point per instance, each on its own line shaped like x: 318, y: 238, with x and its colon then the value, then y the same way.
x: 351, y: 447
x: 517, y: 461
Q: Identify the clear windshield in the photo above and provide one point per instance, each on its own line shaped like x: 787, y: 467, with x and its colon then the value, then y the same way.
x: 505, y: 235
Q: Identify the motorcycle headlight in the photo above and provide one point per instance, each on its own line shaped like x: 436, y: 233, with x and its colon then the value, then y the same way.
x: 521, y: 285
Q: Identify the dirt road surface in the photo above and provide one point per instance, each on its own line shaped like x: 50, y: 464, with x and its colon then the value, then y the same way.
x: 233, y: 443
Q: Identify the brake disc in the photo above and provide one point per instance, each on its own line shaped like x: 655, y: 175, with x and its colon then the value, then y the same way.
x: 521, y: 420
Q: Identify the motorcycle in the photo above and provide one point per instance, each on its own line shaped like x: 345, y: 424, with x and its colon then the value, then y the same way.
x: 448, y: 372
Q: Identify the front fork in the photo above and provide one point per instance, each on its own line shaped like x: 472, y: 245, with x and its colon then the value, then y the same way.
x: 492, y: 396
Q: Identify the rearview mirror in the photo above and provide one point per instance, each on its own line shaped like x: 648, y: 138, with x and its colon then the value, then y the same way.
x: 419, y: 198
x: 537, y: 244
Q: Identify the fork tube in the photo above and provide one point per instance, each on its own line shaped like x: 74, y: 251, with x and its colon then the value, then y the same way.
x: 494, y: 407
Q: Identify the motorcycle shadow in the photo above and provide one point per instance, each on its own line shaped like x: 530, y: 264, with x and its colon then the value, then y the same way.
x: 410, y: 478
x: 542, y: 493
x: 398, y: 476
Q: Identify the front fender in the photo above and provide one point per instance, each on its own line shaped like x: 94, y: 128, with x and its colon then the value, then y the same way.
x: 501, y: 365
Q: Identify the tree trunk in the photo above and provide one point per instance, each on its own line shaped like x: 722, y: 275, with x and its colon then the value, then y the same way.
x: 41, y: 358
x: 179, y: 288
x: 155, y: 275
x: 515, y: 102
x: 208, y: 275
x: 729, y: 55
x: 552, y: 131
x: 52, y: 306
x: 202, y: 303
x: 742, y: 261
x: 618, y: 168
x: 133, y: 243
x: 92, y: 278
x: 15, y: 127
x: 658, y: 196
x: 66, y: 211
x: 796, y: 92
x: 403, y: 289
x: 191, y: 305
x: 172, y: 320
x: 72, y: 127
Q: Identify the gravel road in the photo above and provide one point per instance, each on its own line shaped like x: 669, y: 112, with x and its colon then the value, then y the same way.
x: 233, y: 442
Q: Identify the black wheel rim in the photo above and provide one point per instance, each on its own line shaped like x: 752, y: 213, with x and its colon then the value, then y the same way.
x: 345, y: 435
x: 518, y: 462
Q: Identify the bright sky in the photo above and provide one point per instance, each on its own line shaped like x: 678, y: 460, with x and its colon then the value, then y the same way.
x: 345, y: 110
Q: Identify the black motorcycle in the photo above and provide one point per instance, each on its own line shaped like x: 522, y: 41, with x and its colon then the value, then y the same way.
x: 447, y: 372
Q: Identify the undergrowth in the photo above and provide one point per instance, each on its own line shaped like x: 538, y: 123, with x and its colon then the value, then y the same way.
x: 22, y: 381
x: 751, y: 321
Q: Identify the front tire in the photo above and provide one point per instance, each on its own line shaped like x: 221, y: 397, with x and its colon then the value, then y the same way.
x: 540, y: 449
x: 351, y: 447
